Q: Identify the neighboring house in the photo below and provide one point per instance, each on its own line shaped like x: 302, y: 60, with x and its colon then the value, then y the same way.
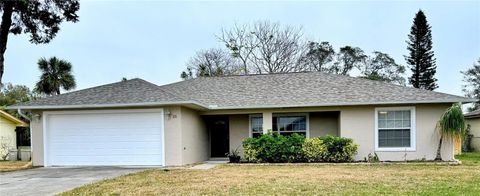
x: 8, y: 136
x: 473, y: 119
x: 135, y: 122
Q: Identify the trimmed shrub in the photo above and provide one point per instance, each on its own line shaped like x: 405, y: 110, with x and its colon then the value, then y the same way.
x: 314, y: 149
x: 339, y: 149
x: 274, y: 148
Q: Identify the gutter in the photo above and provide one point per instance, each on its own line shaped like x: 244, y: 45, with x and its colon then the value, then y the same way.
x: 30, y: 130
x: 215, y: 107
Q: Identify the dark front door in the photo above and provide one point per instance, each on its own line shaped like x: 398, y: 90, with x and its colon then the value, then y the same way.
x: 218, y: 128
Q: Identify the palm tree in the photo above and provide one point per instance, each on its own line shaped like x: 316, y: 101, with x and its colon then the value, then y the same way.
x: 451, y: 126
x: 56, y: 74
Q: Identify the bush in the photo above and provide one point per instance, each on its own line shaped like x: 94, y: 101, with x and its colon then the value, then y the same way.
x: 314, y: 150
x: 339, y: 149
x: 274, y: 148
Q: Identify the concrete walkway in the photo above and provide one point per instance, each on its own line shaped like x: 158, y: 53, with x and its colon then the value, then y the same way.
x: 208, y: 164
x: 50, y: 181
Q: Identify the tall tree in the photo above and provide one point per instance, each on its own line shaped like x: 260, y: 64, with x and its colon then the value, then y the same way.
x: 471, y: 88
x: 382, y: 67
x: 40, y: 19
x: 56, y: 74
x: 11, y: 94
x: 318, y: 57
x: 348, y: 58
x: 211, y: 62
x: 421, y: 58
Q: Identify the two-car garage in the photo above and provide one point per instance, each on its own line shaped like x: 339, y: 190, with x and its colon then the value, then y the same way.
x: 104, y: 137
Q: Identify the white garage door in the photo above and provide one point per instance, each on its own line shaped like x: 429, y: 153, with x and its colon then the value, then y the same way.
x: 82, y: 138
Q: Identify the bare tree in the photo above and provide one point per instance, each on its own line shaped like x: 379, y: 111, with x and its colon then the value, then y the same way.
x: 265, y: 47
x: 211, y: 62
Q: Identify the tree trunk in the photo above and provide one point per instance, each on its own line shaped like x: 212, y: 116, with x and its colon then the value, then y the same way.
x: 439, y: 150
x: 4, y: 30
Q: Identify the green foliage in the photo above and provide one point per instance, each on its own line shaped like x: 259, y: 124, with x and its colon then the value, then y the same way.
x: 467, y: 141
x: 382, y: 67
x: 56, y: 74
x: 11, y: 94
x: 372, y: 158
x: 314, y: 150
x: 339, y: 149
x: 274, y: 148
x: 452, y: 122
x: 421, y: 58
x: 452, y: 125
x: 471, y: 88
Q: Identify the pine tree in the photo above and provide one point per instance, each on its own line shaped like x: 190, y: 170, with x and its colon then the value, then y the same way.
x: 421, y: 58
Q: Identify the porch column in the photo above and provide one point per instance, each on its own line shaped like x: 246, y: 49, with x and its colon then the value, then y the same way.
x: 267, y: 121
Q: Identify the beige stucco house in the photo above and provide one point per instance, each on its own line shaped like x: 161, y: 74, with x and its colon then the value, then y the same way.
x: 473, y: 119
x: 8, y: 136
x: 135, y: 122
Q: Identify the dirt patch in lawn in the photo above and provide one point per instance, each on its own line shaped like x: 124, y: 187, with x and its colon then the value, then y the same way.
x: 6, y: 166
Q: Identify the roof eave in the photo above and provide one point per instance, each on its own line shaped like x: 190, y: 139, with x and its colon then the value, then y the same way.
x: 339, y: 104
x: 196, y: 105
x: 192, y: 104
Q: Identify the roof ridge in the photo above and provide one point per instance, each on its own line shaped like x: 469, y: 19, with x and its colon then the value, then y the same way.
x: 311, y: 72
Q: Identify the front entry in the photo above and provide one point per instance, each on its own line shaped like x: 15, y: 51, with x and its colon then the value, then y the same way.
x: 219, y: 137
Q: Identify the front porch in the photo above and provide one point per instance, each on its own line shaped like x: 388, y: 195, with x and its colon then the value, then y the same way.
x: 227, y: 131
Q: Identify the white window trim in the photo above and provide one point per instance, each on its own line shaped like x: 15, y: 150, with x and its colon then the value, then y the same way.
x: 250, y: 131
x: 307, y: 119
x: 413, y: 140
x: 307, y: 116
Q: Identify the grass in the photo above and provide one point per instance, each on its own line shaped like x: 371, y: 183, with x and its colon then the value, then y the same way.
x: 6, y: 166
x: 404, y: 179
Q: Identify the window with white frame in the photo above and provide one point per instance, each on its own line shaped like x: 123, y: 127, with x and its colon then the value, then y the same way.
x: 287, y: 124
x: 256, y: 126
x: 395, y: 128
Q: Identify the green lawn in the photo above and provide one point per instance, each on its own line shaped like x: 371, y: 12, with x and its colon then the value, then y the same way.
x: 405, y: 179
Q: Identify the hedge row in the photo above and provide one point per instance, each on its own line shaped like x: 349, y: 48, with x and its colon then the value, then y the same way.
x: 276, y: 148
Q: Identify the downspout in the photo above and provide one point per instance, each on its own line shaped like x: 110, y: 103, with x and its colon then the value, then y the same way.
x: 29, y: 128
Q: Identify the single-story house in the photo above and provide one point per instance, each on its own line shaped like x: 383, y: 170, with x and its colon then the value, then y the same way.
x: 8, y: 136
x: 473, y: 119
x: 135, y: 122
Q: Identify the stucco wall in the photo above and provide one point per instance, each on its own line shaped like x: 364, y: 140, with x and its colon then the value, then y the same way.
x: 475, y: 131
x: 173, y: 137
x: 323, y: 123
x: 238, y: 131
x: 194, y: 137
x: 358, y: 123
x: 8, y: 135
x: 37, y: 139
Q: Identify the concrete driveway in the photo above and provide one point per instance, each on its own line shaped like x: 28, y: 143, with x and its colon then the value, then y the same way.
x: 50, y: 181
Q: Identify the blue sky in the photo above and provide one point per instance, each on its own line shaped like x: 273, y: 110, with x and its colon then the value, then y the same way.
x: 153, y: 40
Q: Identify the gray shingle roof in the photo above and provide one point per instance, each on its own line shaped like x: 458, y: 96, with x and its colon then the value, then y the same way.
x: 126, y: 92
x: 251, y: 91
x: 300, y: 89
x: 474, y: 114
